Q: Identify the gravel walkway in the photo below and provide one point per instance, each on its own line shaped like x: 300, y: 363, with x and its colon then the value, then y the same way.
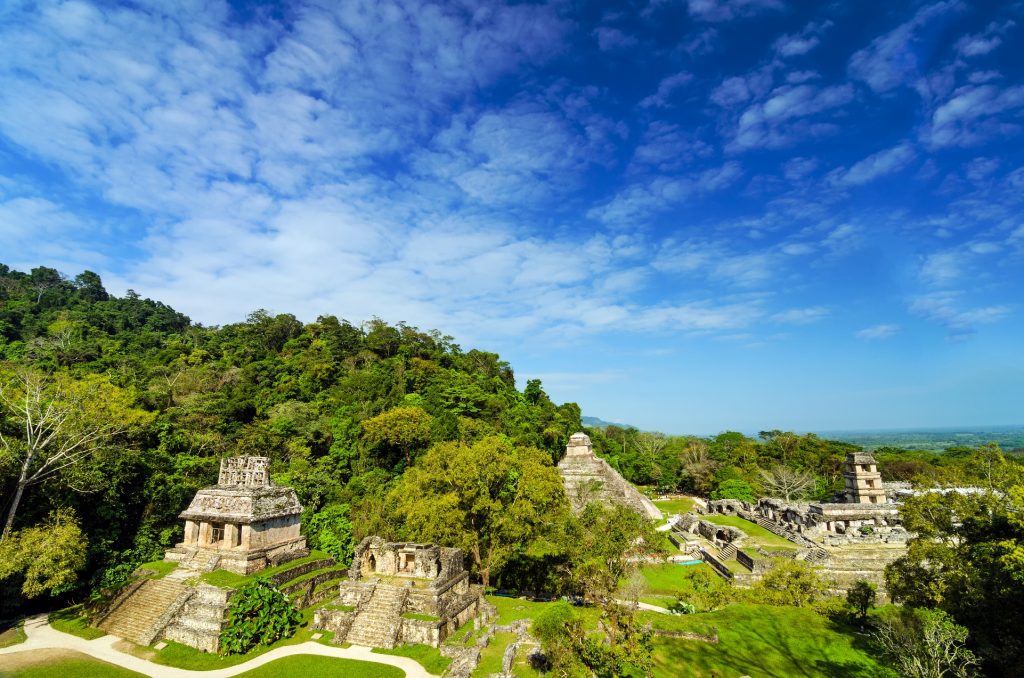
x: 40, y: 635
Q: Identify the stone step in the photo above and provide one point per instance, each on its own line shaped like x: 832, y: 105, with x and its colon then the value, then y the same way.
x: 135, y: 619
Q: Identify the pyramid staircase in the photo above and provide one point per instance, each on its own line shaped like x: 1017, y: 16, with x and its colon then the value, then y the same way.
x: 142, y: 616
x: 378, y: 623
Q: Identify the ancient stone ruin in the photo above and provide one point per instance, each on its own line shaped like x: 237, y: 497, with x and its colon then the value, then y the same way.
x: 852, y: 538
x: 588, y: 478
x: 399, y: 592
x: 242, y: 524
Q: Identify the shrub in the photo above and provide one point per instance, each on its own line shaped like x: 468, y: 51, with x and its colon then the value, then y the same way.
x: 330, y: 530
x: 259, y: 614
x: 734, y: 489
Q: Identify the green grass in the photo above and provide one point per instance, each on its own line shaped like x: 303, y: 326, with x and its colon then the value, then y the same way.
x: 342, y: 608
x: 232, y: 580
x: 63, y: 668
x: 429, y: 657
x: 12, y: 633
x: 669, y: 579
x: 511, y: 609
x: 756, y: 533
x: 323, y: 667
x: 491, y: 656
x: 162, y: 568
x: 421, y: 617
x: 763, y: 641
x: 72, y: 620
x: 673, y: 506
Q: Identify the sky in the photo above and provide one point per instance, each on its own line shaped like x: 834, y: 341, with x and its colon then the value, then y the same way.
x: 688, y: 215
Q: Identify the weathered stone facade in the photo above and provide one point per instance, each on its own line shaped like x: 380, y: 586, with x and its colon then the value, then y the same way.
x: 400, y: 592
x: 243, y: 524
x: 588, y: 478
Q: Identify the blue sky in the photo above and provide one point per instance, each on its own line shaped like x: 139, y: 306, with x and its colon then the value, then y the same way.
x: 690, y: 215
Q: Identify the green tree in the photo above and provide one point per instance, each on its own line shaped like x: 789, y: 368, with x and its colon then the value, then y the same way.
x: 491, y: 499
x: 404, y: 428
x: 791, y: 582
x: 60, y: 423
x: 861, y: 597
x: 330, y: 530
x: 734, y: 489
x: 48, y: 556
x: 926, y: 644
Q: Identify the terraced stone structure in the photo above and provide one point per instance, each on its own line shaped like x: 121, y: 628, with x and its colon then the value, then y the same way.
x: 400, y: 592
x: 589, y: 478
x: 242, y: 524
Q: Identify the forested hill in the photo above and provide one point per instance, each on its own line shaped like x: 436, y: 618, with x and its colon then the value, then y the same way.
x: 342, y: 409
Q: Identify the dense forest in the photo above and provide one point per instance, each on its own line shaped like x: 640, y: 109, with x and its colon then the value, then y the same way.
x: 114, y: 411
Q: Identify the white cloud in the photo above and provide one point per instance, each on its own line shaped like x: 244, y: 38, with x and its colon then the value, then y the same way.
x: 891, y: 60
x: 883, y: 331
x: 972, y: 115
x: 802, y: 42
x: 727, y: 10
x: 874, y: 166
x: 666, y: 87
x: 787, y: 115
x: 979, y: 44
x: 947, y: 309
x: 612, y: 38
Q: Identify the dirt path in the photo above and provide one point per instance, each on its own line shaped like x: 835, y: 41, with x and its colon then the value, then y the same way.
x: 44, y: 638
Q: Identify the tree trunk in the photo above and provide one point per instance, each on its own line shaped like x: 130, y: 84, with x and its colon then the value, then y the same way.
x: 14, y: 509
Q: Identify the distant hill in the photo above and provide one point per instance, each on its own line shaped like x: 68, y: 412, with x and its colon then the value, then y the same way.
x: 595, y: 422
x: 1008, y: 437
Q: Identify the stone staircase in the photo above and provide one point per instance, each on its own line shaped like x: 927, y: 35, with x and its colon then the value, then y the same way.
x: 378, y: 623
x: 199, y: 622
x: 727, y: 552
x: 142, y: 616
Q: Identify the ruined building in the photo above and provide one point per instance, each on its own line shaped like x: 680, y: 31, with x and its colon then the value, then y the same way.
x: 242, y: 524
x: 852, y: 538
x: 402, y: 593
x: 588, y: 478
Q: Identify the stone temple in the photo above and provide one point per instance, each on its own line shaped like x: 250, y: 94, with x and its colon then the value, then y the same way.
x: 242, y: 524
x: 400, y: 592
x: 588, y: 478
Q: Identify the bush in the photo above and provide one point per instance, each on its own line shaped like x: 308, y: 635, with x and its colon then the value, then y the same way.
x: 734, y: 489
x: 330, y: 531
x: 259, y: 614
x: 682, y: 607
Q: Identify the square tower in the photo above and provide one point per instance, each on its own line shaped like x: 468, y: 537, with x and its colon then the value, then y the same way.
x: 863, y: 481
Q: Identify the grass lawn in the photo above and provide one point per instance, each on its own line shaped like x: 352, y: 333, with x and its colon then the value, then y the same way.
x: 760, y: 640
x: 673, y: 506
x: 306, y: 666
x: 59, y: 664
x: 511, y: 609
x: 669, y: 579
x: 492, y: 655
x: 161, y: 567
x: 428, y: 657
x: 11, y: 633
x: 753, y: 530
x: 71, y: 620
x: 756, y: 640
